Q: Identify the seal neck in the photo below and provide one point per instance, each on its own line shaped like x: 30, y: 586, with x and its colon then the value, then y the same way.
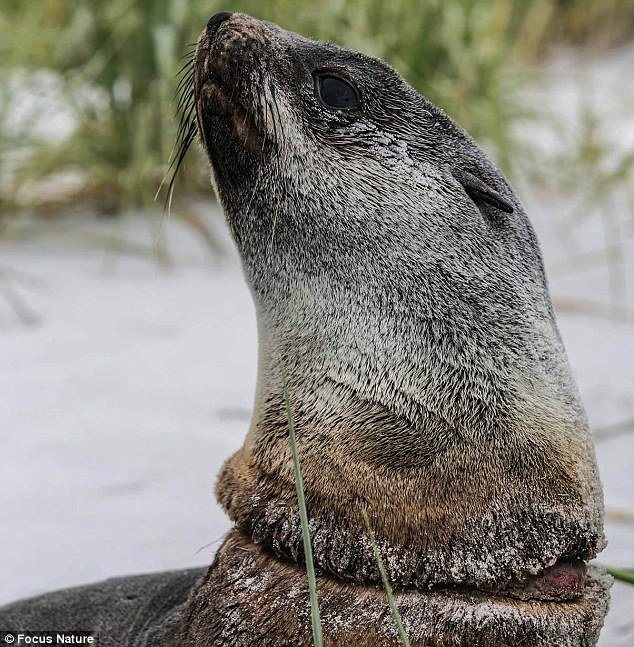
x: 475, y: 466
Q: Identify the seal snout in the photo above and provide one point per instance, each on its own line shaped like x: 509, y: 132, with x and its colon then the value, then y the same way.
x: 228, y: 81
x: 215, y: 21
x: 227, y: 52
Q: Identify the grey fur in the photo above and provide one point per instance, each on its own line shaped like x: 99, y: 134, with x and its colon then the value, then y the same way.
x: 416, y: 329
x: 398, y: 280
x: 137, y: 611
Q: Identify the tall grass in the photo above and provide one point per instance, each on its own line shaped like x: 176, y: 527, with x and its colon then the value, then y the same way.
x: 308, y: 551
x: 386, y: 583
x: 116, y: 61
x: 318, y: 640
x: 622, y: 574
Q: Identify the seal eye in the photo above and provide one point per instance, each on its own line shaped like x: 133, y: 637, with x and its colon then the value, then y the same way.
x: 336, y: 92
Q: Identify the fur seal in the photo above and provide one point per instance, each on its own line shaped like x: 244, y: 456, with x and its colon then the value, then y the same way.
x: 399, y: 283
x: 398, y: 280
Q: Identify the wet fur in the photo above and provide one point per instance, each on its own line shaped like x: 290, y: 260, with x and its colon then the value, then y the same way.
x: 248, y: 599
x: 398, y: 280
x: 417, y: 332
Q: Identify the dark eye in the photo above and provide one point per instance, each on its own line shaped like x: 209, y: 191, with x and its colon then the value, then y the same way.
x: 336, y: 92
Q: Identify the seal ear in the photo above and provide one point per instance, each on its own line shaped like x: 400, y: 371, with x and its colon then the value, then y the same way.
x: 478, y: 191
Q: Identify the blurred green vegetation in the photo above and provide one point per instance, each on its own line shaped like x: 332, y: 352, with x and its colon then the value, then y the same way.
x: 114, y: 63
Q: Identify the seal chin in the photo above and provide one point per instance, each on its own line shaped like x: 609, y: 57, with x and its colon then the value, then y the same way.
x: 218, y: 110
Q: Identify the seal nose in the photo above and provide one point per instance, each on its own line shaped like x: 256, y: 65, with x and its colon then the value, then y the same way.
x: 215, y: 21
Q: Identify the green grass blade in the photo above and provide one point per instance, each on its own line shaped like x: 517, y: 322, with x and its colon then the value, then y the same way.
x: 386, y: 584
x: 318, y: 639
x: 621, y: 574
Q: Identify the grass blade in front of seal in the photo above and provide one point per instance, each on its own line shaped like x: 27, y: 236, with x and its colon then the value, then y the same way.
x: 318, y: 639
x: 621, y: 574
x: 386, y: 584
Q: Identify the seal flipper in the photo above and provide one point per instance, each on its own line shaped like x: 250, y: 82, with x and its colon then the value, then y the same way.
x: 477, y: 190
x: 139, y: 610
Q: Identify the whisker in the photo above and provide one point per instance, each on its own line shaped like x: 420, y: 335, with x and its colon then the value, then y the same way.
x: 187, y: 127
x: 184, y: 85
x: 185, y: 121
x: 178, y: 161
x: 277, y: 122
x: 264, y: 121
x: 185, y: 66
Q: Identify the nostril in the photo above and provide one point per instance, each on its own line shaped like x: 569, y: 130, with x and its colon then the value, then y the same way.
x: 215, y: 21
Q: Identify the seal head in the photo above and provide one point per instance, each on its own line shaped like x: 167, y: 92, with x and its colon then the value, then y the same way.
x: 399, y: 282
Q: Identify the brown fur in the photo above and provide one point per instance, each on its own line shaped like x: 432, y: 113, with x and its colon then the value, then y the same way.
x: 515, y: 487
x: 250, y: 599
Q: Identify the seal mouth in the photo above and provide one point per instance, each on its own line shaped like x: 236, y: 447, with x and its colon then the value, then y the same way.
x: 217, y: 96
x: 227, y: 79
x: 214, y: 103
